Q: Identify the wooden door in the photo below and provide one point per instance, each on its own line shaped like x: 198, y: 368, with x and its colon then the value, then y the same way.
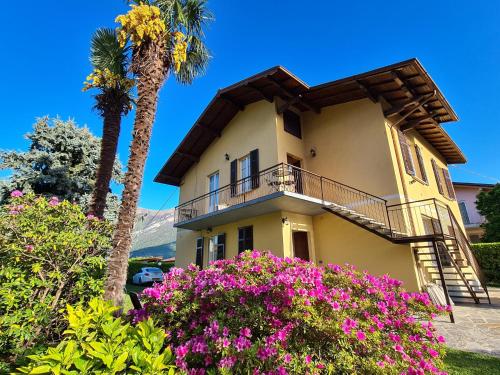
x: 297, y: 175
x: 300, y: 245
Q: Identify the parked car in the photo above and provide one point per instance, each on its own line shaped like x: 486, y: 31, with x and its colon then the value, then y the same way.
x: 148, y: 275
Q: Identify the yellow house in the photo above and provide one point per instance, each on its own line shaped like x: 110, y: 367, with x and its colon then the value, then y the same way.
x: 350, y: 171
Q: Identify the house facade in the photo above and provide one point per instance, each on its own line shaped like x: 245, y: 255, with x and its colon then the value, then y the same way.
x: 466, y: 197
x: 350, y: 171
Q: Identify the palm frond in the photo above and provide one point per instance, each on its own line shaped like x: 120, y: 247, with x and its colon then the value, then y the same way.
x: 197, y: 59
x: 106, y: 52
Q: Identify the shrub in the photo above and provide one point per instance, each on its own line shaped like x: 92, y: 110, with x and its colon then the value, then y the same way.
x: 488, y: 257
x: 98, y: 343
x: 51, y: 255
x: 276, y: 316
x: 135, y: 265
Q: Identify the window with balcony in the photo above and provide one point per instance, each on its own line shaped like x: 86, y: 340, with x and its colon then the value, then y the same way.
x: 213, y: 186
x: 246, y: 184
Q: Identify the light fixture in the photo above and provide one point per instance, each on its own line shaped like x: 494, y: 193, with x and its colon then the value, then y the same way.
x: 284, y: 220
x: 226, y: 156
x: 313, y: 152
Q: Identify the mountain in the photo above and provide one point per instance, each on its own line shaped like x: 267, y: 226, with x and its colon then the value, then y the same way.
x: 154, y: 234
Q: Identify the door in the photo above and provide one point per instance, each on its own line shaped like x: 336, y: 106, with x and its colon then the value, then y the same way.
x: 296, y: 172
x: 300, y: 245
x: 213, y: 186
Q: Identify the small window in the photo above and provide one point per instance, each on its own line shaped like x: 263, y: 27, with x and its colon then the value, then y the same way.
x: 421, y: 165
x: 464, y: 213
x: 406, y: 152
x: 199, y: 252
x: 213, y: 186
x: 217, y: 247
x: 291, y: 121
x: 245, y: 239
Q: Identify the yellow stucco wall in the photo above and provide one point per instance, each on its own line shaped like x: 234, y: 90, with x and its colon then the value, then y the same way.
x: 267, y: 235
x: 352, y: 147
x: 252, y: 128
x: 338, y: 241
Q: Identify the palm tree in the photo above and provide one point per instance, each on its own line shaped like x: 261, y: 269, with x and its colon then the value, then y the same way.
x: 165, y: 37
x: 114, y: 100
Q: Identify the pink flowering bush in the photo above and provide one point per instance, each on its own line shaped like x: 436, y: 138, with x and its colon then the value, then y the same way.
x: 260, y: 314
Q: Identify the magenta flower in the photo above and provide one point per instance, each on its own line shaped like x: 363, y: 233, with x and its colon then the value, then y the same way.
x: 16, y: 194
x: 361, y: 336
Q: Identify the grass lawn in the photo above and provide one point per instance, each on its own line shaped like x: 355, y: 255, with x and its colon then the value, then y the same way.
x: 466, y: 363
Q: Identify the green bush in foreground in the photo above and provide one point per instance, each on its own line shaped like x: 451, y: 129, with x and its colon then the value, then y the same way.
x: 51, y: 255
x: 98, y: 343
x: 488, y: 257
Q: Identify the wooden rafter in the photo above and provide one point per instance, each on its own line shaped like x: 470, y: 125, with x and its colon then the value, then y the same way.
x: 232, y: 102
x: 292, y: 95
x: 208, y: 129
x: 366, y: 91
x: 188, y: 156
x: 261, y: 92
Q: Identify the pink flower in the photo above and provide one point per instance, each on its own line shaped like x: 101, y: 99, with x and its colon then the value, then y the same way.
x: 16, y: 194
x: 54, y: 201
x: 29, y: 248
x: 308, y: 359
x: 360, y: 335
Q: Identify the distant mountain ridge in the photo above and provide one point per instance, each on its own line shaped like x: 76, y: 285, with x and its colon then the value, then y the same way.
x: 154, y: 233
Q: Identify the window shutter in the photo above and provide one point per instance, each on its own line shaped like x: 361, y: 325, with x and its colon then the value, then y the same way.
x: 254, y: 168
x: 221, y: 246
x: 420, y: 159
x: 439, y: 183
x: 449, y: 185
x: 234, y: 176
x: 199, y: 252
x: 406, y: 152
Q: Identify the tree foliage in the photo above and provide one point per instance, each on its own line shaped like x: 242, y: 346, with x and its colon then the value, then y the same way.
x: 51, y: 254
x: 488, y: 205
x: 61, y: 160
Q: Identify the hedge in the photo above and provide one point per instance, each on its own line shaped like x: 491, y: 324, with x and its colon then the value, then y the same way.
x: 135, y: 265
x: 488, y: 256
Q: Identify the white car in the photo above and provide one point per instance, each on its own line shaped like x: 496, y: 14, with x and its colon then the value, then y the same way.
x: 148, y: 275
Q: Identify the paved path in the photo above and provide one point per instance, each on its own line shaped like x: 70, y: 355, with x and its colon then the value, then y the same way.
x: 476, y: 328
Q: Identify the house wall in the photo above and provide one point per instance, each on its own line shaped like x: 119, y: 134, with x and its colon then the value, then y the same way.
x: 267, y: 235
x: 468, y: 194
x: 337, y: 241
x: 352, y: 147
x: 252, y: 128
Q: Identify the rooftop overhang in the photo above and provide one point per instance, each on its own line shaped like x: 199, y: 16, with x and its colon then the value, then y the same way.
x: 401, y: 89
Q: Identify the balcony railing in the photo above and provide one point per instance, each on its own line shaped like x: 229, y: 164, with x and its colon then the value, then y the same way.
x: 283, y: 178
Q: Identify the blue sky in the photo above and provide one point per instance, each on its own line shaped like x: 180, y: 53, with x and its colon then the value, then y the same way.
x: 44, y: 59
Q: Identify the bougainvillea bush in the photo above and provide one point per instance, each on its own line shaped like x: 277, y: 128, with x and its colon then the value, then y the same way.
x: 51, y: 254
x: 260, y: 314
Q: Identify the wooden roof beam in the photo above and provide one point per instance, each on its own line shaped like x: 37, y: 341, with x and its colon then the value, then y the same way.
x: 265, y: 96
x: 209, y: 130
x: 290, y: 103
x: 292, y: 95
x: 397, y: 110
x: 424, y: 99
x: 412, y: 123
x: 366, y: 91
x: 232, y: 102
x: 189, y: 156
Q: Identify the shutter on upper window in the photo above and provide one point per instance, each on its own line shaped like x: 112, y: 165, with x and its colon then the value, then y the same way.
x: 439, y: 183
x: 406, y: 152
x: 221, y: 246
x: 254, y: 168
x: 199, y: 252
x: 420, y: 159
x: 234, y: 176
x: 449, y: 185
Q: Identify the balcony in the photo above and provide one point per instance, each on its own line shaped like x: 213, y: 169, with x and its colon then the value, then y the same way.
x: 281, y: 187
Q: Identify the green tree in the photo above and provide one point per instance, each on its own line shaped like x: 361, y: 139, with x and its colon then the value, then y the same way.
x: 113, y: 101
x: 166, y: 37
x: 488, y: 205
x: 61, y: 160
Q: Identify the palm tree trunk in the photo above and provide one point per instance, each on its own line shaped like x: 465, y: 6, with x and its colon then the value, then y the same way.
x: 109, y: 144
x: 150, y: 79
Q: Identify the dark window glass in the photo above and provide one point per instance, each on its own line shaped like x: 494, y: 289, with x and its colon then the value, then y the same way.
x: 245, y: 239
x: 292, y: 123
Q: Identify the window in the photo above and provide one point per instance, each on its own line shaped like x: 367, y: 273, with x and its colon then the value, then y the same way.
x: 406, y: 152
x: 199, y: 252
x: 464, y: 213
x: 217, y: 247
x: 246, y: 183
x: 437, y: 176
x: 291, y: 122
x: 421, y: 166
x: 213, y: 185
x: 245, y: 239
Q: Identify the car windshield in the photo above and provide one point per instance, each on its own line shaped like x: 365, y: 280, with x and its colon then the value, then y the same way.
x: 152, y: 270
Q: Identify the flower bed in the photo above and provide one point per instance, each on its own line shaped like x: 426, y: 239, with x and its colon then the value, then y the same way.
x: 279, y: 316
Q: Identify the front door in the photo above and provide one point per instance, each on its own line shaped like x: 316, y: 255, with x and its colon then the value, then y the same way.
x: 296, y: 172
x: 300, y: 245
